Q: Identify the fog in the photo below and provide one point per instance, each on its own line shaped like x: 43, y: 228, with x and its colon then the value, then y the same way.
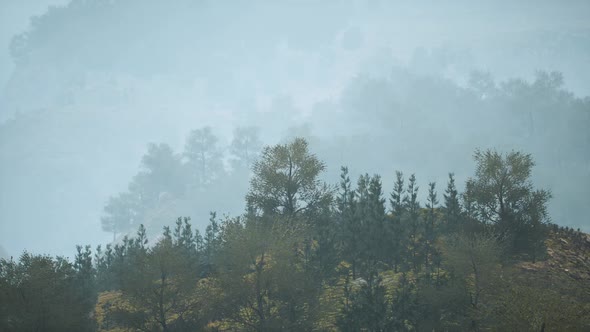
x: 379, y: 86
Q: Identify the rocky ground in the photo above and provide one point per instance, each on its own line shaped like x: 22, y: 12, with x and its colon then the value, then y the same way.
x: 567, y: 266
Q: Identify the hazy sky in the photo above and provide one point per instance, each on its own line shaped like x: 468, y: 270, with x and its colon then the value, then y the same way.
x: 15, y: 17
x: 97, y: 84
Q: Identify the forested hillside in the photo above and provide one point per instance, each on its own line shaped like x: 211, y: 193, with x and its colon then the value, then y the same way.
x: 294, y: 165
x: 363, y: 255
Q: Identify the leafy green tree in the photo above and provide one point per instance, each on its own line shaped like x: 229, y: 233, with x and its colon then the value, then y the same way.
x: 503, y: 196
x: 286, y: 181
x: 286, y: 202
x: 262, y: 272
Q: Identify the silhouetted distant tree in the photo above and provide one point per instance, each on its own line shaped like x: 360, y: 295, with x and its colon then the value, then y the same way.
x: 203, y: 157
x: 119, y: 214
x: 160, y: 172
x: 245, y: 146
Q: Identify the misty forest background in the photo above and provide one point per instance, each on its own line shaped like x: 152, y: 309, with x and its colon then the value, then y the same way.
x: 374, y: 85
x: 119, y: 116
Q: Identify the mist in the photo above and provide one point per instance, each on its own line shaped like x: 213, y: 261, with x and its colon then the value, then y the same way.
x: 90, y: 88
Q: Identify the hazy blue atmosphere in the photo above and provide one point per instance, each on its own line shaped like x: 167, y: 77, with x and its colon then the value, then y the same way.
x: 98, y: 96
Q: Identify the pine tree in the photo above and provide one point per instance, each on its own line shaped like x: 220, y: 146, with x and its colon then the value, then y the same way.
x: 349, y: 241
x: 85, y: 280
x: 376, y: 231
x: 430, y: 225
x: 211, y: 243
x: 452, y: 208
x: 362, y: 215
x: 412, y: 221
x: 394, y: 227
x: 396, y: 200
x: 404, y: 308
x: 366, y: 309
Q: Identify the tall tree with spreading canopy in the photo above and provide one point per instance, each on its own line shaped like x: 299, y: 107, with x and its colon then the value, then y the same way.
x: 503, y: 196
x: 286, y: 181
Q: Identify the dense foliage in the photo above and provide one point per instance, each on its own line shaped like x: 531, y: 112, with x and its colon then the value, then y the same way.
x: 307, y: 256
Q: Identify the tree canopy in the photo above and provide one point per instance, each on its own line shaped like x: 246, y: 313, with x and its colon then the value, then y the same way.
x: 286, y: 180
x: 503, y: 195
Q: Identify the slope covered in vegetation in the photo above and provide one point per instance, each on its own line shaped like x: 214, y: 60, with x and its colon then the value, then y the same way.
x: 307, y: 256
